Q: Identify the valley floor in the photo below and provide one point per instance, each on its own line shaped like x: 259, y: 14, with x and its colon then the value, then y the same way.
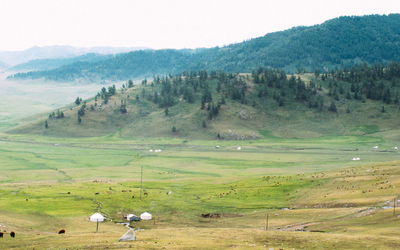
x: 315, y: 195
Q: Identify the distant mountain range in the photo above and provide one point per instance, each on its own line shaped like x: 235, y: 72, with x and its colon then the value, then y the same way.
x: 53, y: 63
x: 337, y: 43
x: 17, y: 57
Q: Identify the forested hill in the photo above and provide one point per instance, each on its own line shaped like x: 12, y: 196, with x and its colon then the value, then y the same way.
x: 122, y: 66
x: 359, y: 100
x: 53, y: 63
x: 337, y: 43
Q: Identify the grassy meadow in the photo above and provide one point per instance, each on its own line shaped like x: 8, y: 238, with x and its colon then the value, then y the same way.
x: 49, y: 183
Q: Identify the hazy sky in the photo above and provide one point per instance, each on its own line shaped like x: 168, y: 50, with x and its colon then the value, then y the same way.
x: 164, y: 23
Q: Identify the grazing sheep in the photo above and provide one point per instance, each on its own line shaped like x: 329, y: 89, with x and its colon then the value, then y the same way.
x: 62, y: 231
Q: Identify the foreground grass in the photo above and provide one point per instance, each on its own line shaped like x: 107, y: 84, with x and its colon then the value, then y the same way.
x: 195, y: 237
x: 220, y: 238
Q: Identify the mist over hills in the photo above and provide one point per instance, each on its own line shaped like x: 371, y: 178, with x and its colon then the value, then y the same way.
x: 53, y: 63
x: 22, y: 56
x: 3, y: 65
x: 336, y: 43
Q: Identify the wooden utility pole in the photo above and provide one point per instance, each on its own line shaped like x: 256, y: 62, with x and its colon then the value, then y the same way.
x: 394, y: 206
x: 141, y: 181
x: 266, y: 221
x: 97, y: 226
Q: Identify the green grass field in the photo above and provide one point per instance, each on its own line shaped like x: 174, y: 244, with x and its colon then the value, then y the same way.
x: 51, y: 183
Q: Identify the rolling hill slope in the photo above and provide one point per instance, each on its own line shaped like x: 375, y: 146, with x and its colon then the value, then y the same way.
x: 337, y: 43
x: 236, y: 106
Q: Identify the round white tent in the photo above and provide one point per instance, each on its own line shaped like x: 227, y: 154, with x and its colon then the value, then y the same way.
x: 145, y: 216
x: 97, y: 217
x: 129, y: 216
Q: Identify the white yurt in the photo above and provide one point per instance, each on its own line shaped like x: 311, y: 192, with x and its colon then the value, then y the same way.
x: 145, y: 216
x: 129, y: 216
x: 97, y: 217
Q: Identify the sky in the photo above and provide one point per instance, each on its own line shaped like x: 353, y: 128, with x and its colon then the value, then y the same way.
x: 164, y: 23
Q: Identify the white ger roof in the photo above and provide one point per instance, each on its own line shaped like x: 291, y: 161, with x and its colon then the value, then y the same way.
x: 97, y: 217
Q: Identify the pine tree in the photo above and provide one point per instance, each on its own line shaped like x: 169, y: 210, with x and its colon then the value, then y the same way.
x: 386, y: 96
x: 332, y: 107
x: 122, y: 108
x: 78, y: 101
x: 46, y: 125
x: 203, y: 103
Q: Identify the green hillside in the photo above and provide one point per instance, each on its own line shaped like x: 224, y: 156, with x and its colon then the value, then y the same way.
x: 360, y: 100
x: 337, y: 43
